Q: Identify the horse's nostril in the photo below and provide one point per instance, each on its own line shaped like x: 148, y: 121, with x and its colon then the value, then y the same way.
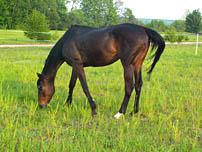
x: 42, y: 106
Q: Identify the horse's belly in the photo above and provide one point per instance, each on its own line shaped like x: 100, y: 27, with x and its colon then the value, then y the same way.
x: 102, y: 59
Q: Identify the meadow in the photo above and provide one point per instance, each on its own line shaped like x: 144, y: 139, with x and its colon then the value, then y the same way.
x: 170, y: 117
x: 18, y: 37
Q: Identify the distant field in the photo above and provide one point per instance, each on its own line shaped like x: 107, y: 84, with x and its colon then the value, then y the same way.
x: 170, y: 106
x: 17, y: 37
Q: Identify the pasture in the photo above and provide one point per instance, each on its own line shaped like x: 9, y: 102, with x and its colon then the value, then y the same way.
x: 170, y: 106
x: 18, y: 37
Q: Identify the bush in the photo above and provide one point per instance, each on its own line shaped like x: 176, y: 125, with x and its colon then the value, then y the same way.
x: 36, y: 26
x: 172, y: 36
x: 38, y: 35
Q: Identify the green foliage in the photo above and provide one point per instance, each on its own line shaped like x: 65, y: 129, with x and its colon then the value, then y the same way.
x: 75, y: 17
x: 52, y: 15
x: 193, y: 21
x: 169, y: 119
x: 179, y: 25
x: 157, y: 25
x: 15, y: 12
x: 99, y: 12
x: 38, y: 35
x: 172, y: 36
x: 96, y: 13
x: 36, y: 22
x: 36, y: 25
x: 62, y: 12
x: 128, y: 16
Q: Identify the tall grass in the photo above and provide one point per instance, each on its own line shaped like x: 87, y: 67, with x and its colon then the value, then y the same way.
x: 170, y: 106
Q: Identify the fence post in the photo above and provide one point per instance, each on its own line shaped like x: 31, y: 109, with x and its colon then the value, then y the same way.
x: 197, y: 35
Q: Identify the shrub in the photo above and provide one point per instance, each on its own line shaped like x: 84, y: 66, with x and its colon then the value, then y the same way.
x: 36, y: 26
x: 172, y: 36
x: 38, y: 35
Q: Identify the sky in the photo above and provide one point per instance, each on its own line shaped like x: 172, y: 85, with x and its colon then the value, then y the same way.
x: 162, y: 9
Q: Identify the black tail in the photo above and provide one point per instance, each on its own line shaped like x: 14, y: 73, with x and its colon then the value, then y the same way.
x: 158, y: 42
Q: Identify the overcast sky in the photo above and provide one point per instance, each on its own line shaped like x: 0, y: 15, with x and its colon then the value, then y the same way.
x: 162, y: 9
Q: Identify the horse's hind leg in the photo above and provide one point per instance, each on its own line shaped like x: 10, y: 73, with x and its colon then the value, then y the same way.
x: 71, y: 86
x: 81, y: 75
x: 128, y: 78
x: 138, y: 86
x: 137, y: 68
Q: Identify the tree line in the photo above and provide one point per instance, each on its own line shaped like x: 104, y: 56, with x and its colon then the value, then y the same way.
x: 54, y: 14
x: 15, y: 13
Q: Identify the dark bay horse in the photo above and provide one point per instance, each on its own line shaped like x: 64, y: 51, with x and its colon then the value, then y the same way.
x: 83, y: 46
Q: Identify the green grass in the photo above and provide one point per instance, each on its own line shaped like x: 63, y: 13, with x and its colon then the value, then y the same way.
x: 170, y: 117
x: 18, y: 37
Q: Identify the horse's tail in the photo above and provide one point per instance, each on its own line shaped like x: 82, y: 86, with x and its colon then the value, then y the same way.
x: 158, y: 42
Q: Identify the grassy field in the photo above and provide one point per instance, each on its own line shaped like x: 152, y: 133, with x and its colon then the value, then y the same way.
x: 170, y: 117
x: 18, y: 37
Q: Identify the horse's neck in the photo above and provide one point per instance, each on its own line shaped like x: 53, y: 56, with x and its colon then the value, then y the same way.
x: 53, y: 62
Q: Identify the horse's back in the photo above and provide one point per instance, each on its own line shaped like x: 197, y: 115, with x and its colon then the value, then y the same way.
x: 130, y: 32
x: 102, y: 46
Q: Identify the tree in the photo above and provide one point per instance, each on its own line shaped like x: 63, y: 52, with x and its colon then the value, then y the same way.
x: 14, y: 12
x: 3, y: 14
x: 193, y: 21
x: 99, y: 12
x: 179, y: 25
x: 37, y: 22
x: 62, y: 12
x: 128, y: 16
x: 75, y: 17
x: 157, y: 25
x: 37, y: 26
x: 54, y: 10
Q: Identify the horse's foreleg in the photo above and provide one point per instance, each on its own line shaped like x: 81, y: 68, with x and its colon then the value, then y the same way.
x: 71, y: 86
x: 128, y: 77
x: 81, y: 74
x: 138, y: 86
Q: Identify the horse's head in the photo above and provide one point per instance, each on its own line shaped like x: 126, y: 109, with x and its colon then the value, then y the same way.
x: 46, y: 90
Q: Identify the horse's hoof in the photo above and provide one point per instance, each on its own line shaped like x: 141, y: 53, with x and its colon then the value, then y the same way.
x: 118, y: 115
x: 69, y: 101
x: 94, y: 113
x: 68, y: 104
x: 133, y: 113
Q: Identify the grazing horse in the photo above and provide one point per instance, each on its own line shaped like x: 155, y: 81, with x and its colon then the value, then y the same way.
x: 83, y: 46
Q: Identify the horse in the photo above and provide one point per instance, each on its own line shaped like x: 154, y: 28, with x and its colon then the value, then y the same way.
x: 83, y: 46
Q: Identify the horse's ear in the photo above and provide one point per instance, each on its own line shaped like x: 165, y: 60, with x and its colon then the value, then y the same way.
x: 39, y: 75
